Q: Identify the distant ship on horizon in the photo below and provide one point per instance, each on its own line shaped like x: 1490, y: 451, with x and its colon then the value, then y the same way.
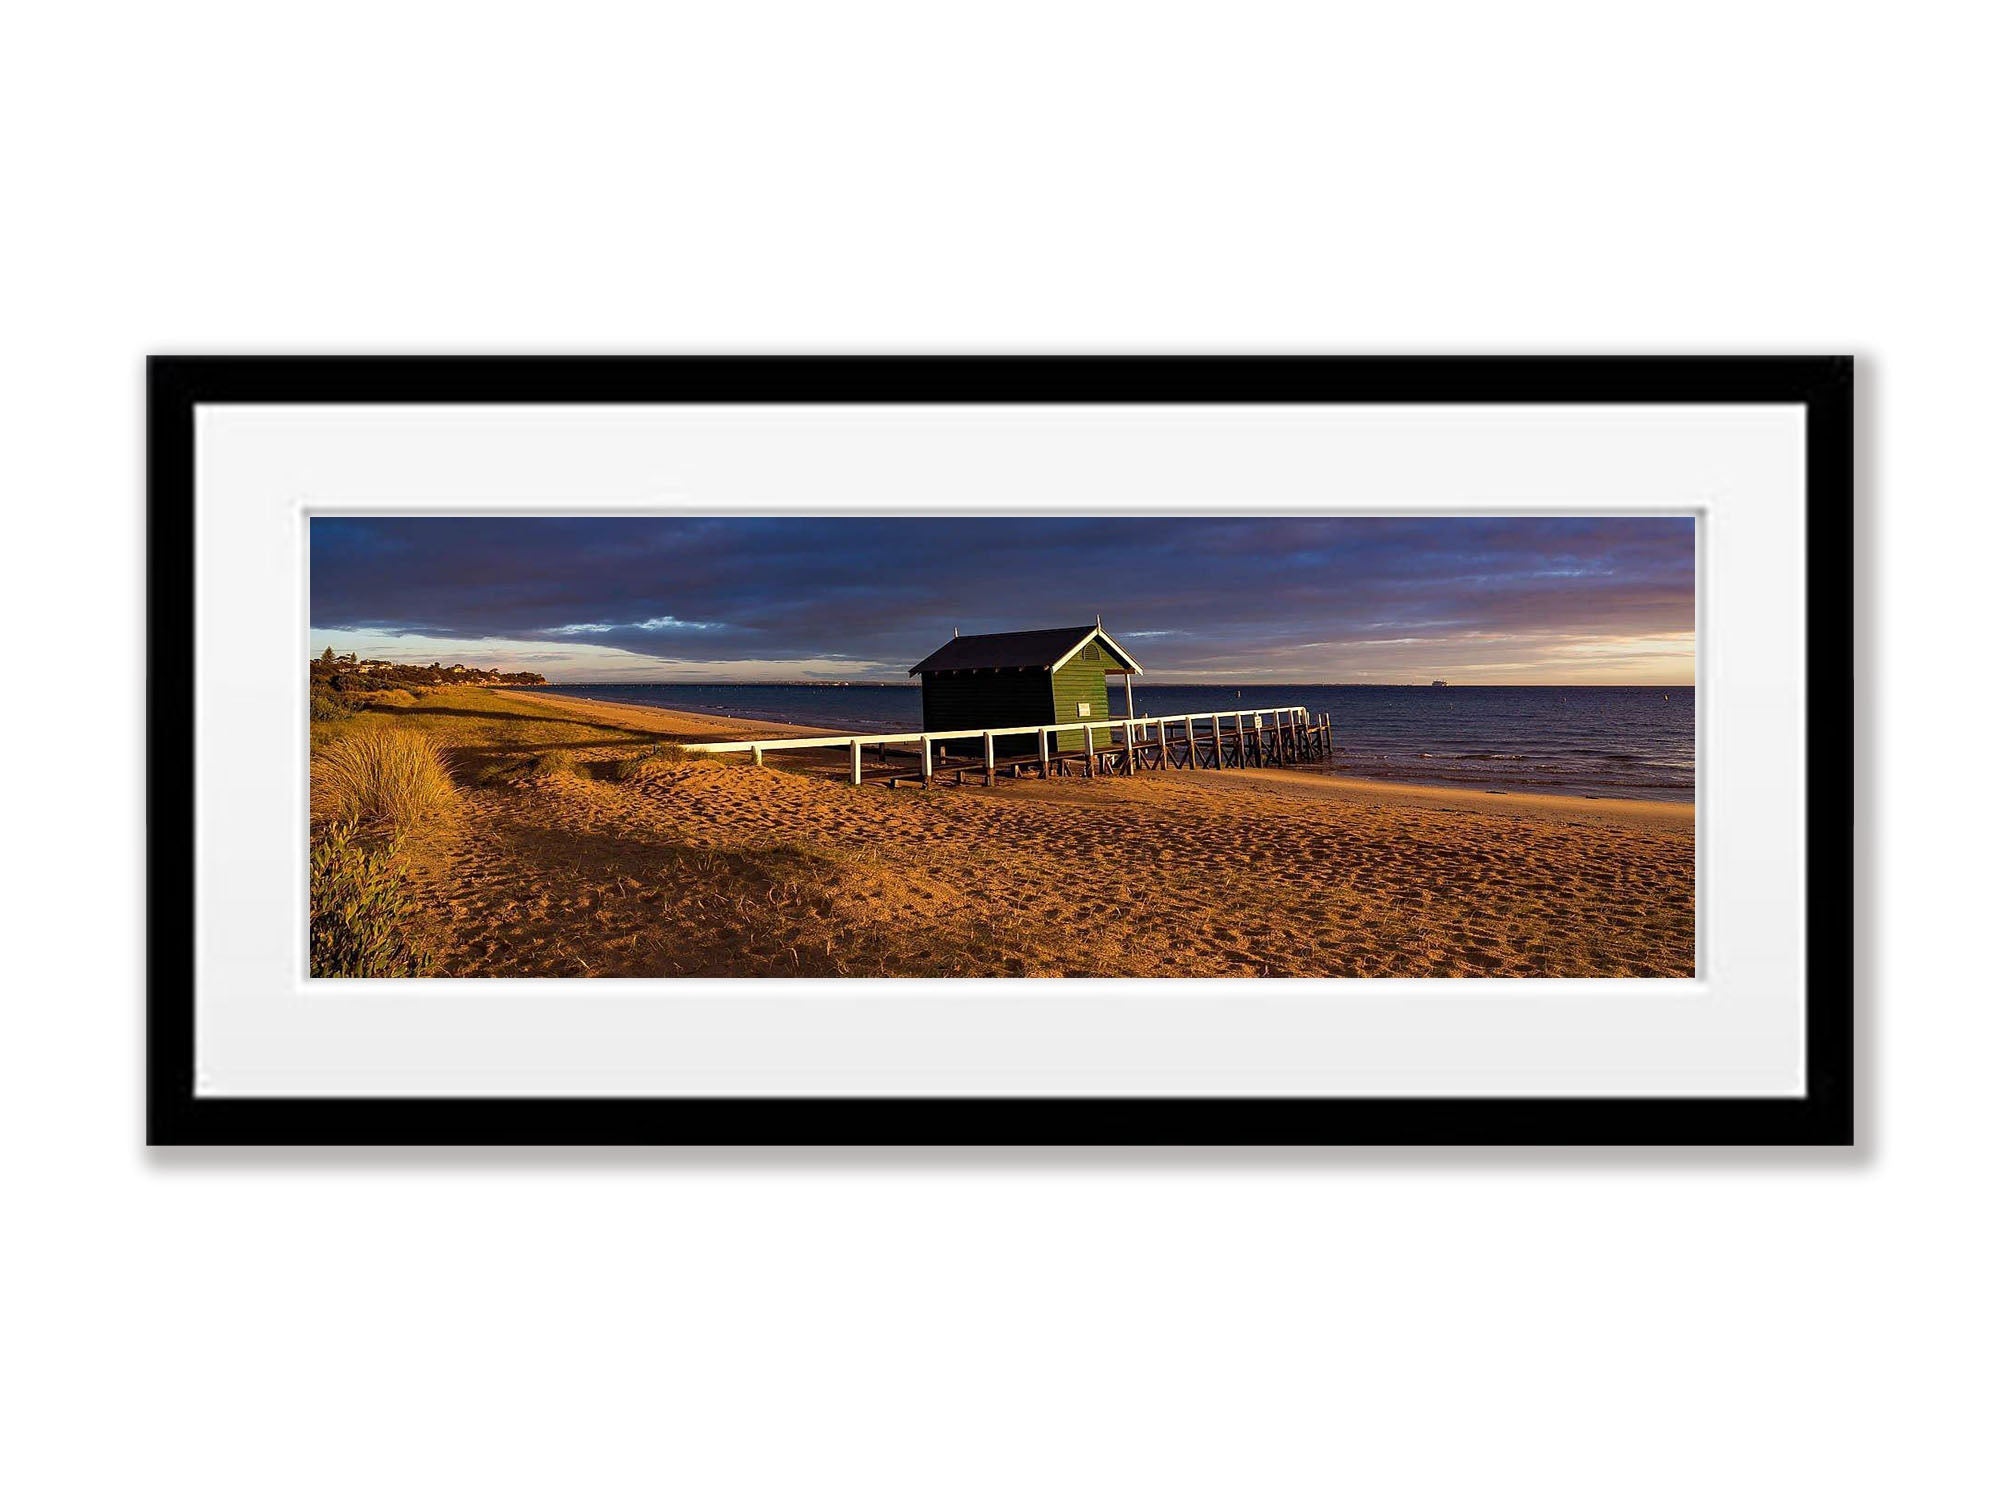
x: 1437, y: 682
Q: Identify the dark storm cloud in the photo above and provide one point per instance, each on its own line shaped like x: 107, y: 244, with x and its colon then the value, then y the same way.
x: 1203, y: 595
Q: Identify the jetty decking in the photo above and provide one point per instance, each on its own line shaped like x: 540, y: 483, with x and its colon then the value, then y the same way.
x: 1211, y: 741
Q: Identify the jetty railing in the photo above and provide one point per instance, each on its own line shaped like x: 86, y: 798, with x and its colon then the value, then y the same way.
x: 1234, y: 738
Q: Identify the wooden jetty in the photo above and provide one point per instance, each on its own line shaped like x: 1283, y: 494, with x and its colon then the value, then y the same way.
x: 1239, y: 738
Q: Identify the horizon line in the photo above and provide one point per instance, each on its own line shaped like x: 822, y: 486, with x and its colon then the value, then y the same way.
x: 1162, y: 683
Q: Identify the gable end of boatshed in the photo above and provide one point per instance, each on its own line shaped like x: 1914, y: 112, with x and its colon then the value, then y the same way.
x: 1055, y: 676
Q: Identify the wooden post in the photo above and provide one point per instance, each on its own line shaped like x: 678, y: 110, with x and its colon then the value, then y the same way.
x: 1188, y: 723
x: 1128, y: 696
x: 857, y: 763
x: 757, y: 755
x: 1131, y: 739
x: 927, y: 760
x: 988, y: 738
x: 1042, y: 736
x: 1089, y: 752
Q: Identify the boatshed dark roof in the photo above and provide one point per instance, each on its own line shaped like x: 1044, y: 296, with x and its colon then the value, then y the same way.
x: 1017, y: 648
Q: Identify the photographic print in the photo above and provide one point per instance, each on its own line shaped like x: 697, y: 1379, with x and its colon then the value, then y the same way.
x: 1000, y: 750
x: 1037, y: 746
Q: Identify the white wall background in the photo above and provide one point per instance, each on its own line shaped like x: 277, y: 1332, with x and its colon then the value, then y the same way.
x: 1530, y: 177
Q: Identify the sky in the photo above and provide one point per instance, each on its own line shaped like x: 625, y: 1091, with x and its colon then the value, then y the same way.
x: 1195, y: 599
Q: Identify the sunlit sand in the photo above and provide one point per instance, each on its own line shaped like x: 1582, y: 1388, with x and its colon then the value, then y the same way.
x: 570, y: 852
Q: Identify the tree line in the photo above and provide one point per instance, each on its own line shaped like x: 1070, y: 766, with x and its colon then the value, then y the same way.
x: 348, y: 674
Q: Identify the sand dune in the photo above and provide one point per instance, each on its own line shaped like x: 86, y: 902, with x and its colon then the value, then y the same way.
x: 704, y: 867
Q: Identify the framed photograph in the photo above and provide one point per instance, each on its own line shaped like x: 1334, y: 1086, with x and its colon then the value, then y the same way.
x: 1001, y: 751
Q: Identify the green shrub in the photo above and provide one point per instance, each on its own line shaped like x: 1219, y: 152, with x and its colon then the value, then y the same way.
x: 327, y: 705
x: 361, y: 910
x: 391, y: 777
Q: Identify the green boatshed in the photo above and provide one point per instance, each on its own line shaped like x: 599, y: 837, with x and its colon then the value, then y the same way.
x: 1025, y: 677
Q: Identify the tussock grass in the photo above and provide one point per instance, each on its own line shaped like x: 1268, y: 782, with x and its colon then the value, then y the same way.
x: 380, y: 777
x: 546, y: 765
x: 552, y: 763
x: 652, y: 755
x: 490, y: 773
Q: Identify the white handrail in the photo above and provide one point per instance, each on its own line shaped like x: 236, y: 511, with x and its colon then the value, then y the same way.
x: 911, y: 737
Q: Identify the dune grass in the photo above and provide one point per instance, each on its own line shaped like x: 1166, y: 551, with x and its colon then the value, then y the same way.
x: 552, y: 763
x: 653, y: 755
x: 371, y: 787
x: 380, y: 777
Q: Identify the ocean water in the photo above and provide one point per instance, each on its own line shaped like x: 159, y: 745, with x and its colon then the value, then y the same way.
x: 1590, y: 741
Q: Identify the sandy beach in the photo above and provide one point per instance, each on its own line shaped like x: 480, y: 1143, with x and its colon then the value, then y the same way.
x: 567, y: 853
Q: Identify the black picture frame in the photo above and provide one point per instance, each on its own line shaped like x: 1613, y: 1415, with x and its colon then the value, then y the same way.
x: 1823, y: 1115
